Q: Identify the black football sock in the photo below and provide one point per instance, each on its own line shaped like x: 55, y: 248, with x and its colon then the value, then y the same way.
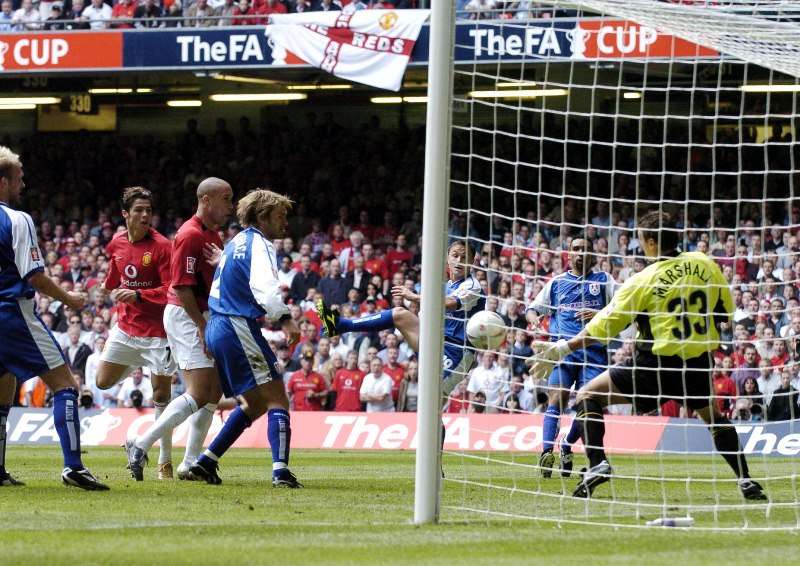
x: 726, y: 441
x: 590, y: 413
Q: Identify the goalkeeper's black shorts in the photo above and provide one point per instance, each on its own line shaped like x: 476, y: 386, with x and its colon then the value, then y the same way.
x: 650, y: 380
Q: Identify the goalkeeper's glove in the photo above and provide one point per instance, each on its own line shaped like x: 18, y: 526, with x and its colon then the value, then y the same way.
x: 545, y: 356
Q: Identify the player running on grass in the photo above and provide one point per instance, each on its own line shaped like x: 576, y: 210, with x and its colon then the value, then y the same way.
x: 28, y: 348
x: 570, y: 299
x: 463, y: 299
x: 246, y: 288
x: 138, y: 280
x: 192, y: 270
x: 677, y: 303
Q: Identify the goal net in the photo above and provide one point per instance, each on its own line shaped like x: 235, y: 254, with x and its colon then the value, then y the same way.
x: 597, y: 112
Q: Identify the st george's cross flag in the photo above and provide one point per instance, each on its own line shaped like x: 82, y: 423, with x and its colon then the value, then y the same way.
x: 372, y: 47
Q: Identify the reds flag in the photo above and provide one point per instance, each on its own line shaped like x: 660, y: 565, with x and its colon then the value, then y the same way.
x: 372, y: 47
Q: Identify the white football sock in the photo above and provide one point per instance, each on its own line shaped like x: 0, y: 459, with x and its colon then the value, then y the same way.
x: 179, y: 409
x: 198, y: 429
x: 165, y: 449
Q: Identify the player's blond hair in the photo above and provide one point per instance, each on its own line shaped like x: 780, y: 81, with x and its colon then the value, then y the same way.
x: 8, y: 160
x: 258, y: 202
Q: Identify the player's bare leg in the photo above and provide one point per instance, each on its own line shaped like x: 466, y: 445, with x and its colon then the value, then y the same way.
x: 8, y: 385
x: 109, y: 374
x: 268, y: 398
x: 726, y: 441
x: 402, y: 319
x: 68, y: 427
x: 162, y: 393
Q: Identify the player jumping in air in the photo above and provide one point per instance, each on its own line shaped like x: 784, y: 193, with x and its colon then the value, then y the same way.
x: 138, y: 279
x: 571, y: 299
x: 245, y: 289
x: 463, y: 299
x: 28, y: 348
x: 677, y: 303
x: 192, y: 270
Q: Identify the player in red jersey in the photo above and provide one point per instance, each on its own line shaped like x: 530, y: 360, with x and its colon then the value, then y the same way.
x: 347, y: 385
x: 138, y: 279
x: 195, y: 253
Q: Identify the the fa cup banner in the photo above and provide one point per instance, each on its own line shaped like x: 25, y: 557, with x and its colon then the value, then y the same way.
x: 371, y: 47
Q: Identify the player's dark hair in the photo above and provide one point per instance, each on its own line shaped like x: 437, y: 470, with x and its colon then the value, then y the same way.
x: 467, y: 249
x: 659, y: 226
x: 130, y: 195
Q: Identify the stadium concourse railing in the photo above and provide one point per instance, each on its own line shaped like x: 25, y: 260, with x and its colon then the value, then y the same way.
x: 183, y: 20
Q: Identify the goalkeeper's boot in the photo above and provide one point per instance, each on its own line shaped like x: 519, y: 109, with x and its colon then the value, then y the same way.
x: 285, y: 478
x: 546, y: 461
x: 7, y: 480
x: 751, y: 490
x: 596, y: 475
x: 82, y: 478
x: 137, y: 460
x: 566, y: 460
x: 206, y: 469
x: 329, y: 317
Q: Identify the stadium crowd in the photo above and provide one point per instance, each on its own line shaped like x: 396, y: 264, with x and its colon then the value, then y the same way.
x: 351, y: 244
x: 30, y: 15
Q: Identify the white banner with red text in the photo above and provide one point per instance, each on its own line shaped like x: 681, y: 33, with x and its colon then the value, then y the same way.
x: 371, y: 47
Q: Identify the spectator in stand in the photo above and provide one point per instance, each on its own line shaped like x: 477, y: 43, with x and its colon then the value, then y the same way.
x: 147, y: 14
x: 724, y: 387
x: 477, y: 403
x: 334, y: 287
x: 354, y: 250
x: 124, y: 11
x: 90, y: 370
x: 316, y: 237
x: 376, y: 266
x: 135, y: 391
x: 199, y: 15
x: 306, y: 388
x: 398, y: 255
x: 768, y: 380
x: 301, y: 6
x: 173, y: 11
x: 337, y: 239
x: 458, y: 401
x: 480, y: 9
x: 225, y: 12
x: 358, y: 278
x: 364, y: 226
x: 346, y: 385
x: 28, y: 17
x: 488, y: 378
x: 785, y: 403
x: 748, y: 369
x: 523, y: 397
x: 304, y: 280
x: 393, y: 369
x: 244, y: 14
x: 56, y: 20
x: 286, y: 273
x: 76, y: 351
x: 383, y: 236
x: 269, y: 7
x: 409, y: 389
x: 376, y: 389
x: 354, y: 6
x: 749, y: 404
x: 326, y: 6
x: 6, y: 16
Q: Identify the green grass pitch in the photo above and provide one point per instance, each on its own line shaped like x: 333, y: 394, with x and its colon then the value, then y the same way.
x: 357, y: 509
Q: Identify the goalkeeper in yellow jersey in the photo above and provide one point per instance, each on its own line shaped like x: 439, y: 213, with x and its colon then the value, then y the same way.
x: 677, y: 304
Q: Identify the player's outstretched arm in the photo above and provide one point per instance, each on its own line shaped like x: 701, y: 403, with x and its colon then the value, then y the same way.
x: 46, y: 286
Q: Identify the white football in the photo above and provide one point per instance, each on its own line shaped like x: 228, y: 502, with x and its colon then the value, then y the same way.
x: 486, y: 330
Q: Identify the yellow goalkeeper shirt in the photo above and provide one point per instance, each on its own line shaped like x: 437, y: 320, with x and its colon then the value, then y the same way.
x: 676, y: 303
